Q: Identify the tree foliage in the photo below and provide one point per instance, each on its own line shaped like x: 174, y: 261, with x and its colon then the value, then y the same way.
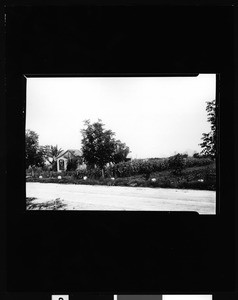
x: 33, y: 153
x: 121, y: 152
x: 50, y: 154
x: 99, y: 146
x: 209, y: 139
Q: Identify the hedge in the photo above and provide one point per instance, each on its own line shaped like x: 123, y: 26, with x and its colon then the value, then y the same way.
x: 124, y: 169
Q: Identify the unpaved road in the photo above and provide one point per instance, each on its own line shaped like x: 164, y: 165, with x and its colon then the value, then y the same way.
x: 87, y: 197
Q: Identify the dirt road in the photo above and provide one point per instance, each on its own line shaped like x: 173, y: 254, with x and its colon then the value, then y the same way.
x: 87, y: 197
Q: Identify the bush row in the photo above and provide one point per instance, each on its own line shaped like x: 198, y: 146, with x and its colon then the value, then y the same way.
x: 46, y: 173
x: 140, y: 167
x: 137, y: 167
x: 124, y: 169
x: 138, y: 182
x: 197, y: 162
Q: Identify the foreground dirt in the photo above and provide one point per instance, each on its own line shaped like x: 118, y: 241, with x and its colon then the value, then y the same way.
x: 87, y: 197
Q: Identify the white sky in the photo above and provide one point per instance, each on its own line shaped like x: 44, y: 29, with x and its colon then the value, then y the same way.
x: 154, y: 116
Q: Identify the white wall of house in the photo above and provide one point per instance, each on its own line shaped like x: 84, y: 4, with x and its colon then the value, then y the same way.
x: 65, y: 160
x: 82, y: 166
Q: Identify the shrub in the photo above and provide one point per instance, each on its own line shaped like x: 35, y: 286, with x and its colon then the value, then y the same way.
x: 176, y: 164
x: 79, y: 174
x: 53, y: 174
x: 197, y: 185
x: 121, y: 182
x: 89, y: 181
x: 123, y: 169
x: 68, y: 173
x: 138, y: 182
x: 72, y: 165
x: 108, y: 181
x: 165, y: 183
x: 146, y: 168
x: 34, y: 171
x: 95, y: 173
x: 109, y: 172
x: 197, y: 162
x: 196, y: 155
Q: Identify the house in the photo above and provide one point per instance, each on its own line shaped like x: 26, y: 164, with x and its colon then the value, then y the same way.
x: 70, y: 154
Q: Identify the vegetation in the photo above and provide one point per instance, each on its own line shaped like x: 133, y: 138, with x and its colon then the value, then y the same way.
x: 72, y: 165
x: 176, y: 164
x: 37, y: 156
x: 121, y: 152
x: 107, y: 162
x: 50, y: 155
x: 209, y: 143
x: 99, y: 146
x: 33, y: 152
x: 197, y: 173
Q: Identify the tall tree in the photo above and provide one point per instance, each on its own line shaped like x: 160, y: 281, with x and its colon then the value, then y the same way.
x: 33, y: 153
x: 210, y: 139
x: 99, y: 146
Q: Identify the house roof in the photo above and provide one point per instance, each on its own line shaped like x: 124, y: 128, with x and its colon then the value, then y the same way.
x: 75, y: 152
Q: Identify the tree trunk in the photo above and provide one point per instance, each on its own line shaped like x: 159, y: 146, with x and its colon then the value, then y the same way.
x: 103, y: 175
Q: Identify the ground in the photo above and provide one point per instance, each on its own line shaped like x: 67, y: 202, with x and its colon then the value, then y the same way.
x: 87, y: 197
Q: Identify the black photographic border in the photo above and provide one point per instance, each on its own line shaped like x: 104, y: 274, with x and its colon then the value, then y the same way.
x: 152, y: 251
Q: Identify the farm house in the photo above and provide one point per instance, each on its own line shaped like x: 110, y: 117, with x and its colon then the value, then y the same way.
x: 65, y: 156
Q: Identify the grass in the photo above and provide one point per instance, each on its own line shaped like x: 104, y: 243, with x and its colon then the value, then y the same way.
x: 190, y: 178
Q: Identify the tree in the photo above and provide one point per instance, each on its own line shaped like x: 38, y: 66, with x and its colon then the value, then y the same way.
x: 209, y: 139
x: 50, y: 154
x: 33, y: 153
x: 99, y: 146
x: 121, y: 152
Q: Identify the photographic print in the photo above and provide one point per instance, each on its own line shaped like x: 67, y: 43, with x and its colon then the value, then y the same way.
x: 121, y: 143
